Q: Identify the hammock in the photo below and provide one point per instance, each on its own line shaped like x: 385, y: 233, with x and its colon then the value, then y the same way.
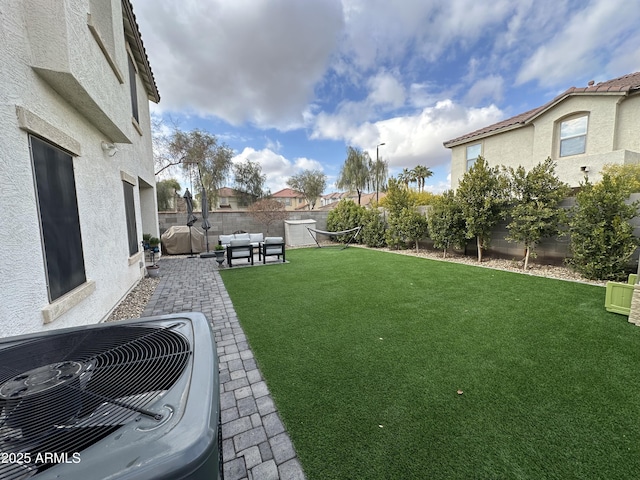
x: 343, y: 232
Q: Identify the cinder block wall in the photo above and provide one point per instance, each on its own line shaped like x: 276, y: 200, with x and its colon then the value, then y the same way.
x: 224, y: 223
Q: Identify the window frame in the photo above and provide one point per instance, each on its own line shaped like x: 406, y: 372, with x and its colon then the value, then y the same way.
x: 130, y: 217
x: 561, y: 139
x: 471, y: 161
x: 59, y: 218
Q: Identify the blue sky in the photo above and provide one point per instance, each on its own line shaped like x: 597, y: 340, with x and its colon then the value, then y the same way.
x: 291, y: 83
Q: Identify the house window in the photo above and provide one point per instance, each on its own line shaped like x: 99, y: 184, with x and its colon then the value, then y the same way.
x: 473, y: 152
x: 133, y: 88
x: 224, y: 201
x: 287, y: 201
x: 55, y: 187
x: 130, y: 216
x: 573, y: 136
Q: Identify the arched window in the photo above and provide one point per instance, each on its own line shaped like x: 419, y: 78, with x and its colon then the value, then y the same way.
x: 573, y: 135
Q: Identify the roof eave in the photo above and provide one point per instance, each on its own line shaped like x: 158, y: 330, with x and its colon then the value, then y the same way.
x: 132, y: 32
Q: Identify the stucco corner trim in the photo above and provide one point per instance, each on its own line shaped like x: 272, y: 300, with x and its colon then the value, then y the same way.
x: 65, y: 303
x: 135, y: 258
x: 126, y: 177
x: 32, y: 123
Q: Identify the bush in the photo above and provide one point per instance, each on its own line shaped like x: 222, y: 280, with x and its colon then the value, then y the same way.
x: 602, y: 240
x: 373, y: 229
x: 447, y: 227
x: 345, y: 216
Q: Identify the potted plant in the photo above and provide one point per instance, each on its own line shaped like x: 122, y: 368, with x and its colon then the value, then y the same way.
x: 218, y: 250
x: 154, y: 244
x: 145, y: 240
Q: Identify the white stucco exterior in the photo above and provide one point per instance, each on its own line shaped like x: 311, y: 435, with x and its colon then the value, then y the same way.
x: 613, y: 137
x: 60, y: 85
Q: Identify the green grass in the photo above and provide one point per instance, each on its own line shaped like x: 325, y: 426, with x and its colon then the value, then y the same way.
x: 364, y: 352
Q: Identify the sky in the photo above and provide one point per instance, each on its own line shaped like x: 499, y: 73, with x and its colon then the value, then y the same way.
x: 291, y: 84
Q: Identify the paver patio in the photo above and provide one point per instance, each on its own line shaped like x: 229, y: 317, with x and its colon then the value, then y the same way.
x: 255, y: 443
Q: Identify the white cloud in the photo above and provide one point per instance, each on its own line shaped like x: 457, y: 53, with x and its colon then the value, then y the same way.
x: 488, y: 88
x: 385, y: 89
x: 588, y: 39
x: 244, y: 61
x: 413, y: 139
x: 276, y: 167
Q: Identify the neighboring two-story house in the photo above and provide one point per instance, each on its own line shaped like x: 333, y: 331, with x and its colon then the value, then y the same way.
x: 582, y: 130
x: 76, y: 163
x: 291, y: 199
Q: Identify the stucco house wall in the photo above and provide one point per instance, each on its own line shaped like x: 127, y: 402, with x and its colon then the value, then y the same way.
x: 613, y: 110
x: 59, y: 85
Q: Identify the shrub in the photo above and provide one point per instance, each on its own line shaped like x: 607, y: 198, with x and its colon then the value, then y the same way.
x: 602, y: 240
x: 345, y: 216
x: 373, y: 229
x: 447, y: 227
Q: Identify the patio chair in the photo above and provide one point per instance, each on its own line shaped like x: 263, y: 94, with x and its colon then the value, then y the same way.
x: 239, y: 249
x: 272, y: 246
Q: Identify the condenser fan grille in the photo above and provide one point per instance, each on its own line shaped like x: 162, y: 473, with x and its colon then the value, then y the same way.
x: 65, y: 392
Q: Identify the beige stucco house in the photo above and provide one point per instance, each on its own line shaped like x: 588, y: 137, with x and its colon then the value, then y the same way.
x: 582, y: 129
x: 76, y: 163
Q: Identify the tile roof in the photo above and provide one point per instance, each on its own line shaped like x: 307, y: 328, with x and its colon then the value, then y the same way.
x: 287, y: 193
x: 625, y: 84
x: 132, y: 32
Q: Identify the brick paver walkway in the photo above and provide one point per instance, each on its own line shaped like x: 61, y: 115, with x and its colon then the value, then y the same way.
x: 255, y: 443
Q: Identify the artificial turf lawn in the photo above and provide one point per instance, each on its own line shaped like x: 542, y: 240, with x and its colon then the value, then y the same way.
x: 364, y: 352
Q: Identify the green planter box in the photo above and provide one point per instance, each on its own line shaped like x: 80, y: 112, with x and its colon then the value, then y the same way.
x: 618, y: 296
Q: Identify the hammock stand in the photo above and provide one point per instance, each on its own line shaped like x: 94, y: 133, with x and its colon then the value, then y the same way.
x: 343, y: 232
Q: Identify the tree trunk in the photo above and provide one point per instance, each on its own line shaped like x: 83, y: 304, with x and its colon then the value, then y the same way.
x: 479, y: 244
x: 526, y: 258
x: 417, y: 246
x: 444, y: 253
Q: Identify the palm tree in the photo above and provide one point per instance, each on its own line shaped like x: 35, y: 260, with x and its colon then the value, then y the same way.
x: 421, y: 173
x: 405, y: 177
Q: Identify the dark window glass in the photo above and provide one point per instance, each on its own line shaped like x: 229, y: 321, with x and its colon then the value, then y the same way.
x: 134, y: 91
x: 59, y: 220
x: 130, y: 212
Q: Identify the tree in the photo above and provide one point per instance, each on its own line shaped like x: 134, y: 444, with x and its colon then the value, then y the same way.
x: 414, y: 226
x: 602, y: 239
x: 397, y: 198
x: 310, y: 183
x: 535, y: 214
x: 355, y: 174
x: 629, y: 173
x: 268, y: 211
x: 373, y: 228
x: 405, y: 177
x: 165, y: 190
x: 421, y: 173
x: 482, y: 193
x: 379, y: 171
x: 200, y: 151
x: 249, y: 181
x: 447, y: 227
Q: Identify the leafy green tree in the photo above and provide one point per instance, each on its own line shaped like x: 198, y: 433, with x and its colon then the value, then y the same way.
x: 629, y: 173
x: 165, y: 191
x: 310, y: 183
x: 406, y: 177
x: 355, y: 174
x: 373, y: 229
x: 200, y: 151
x: 535, y: 212
x: 249, y: 181
x: 447, y: 227
x: 414, y: 226
x: 602, y: 240
x: 397, y: 198
x: 482, y: 193
x: 345, y: 216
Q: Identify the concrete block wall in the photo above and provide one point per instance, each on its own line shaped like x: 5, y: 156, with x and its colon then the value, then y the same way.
x: 224, y: 223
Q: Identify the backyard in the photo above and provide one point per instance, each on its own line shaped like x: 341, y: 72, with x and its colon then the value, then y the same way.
x: 390, y: 366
